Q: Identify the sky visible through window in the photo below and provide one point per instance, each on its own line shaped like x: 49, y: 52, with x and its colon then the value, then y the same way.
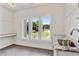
x: 45, y: 20
x: 34, y: 19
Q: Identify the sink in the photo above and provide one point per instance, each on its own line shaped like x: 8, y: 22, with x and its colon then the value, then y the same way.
x: 64, y: 43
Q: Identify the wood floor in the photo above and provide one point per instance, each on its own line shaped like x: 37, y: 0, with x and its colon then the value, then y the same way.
x: 15, y: 50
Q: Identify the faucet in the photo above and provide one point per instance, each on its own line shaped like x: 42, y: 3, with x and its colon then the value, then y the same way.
x: 74, y: 30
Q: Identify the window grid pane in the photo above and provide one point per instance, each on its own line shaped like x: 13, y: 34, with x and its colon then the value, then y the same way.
x: 35, y: 28
x: 45, y: 28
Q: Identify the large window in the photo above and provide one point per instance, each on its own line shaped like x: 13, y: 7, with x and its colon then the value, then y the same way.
x: 39, y: 28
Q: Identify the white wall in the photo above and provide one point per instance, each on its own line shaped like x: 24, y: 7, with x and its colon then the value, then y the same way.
x: 70, y: 8
x: 6, y: 26
x: 6, y: 21
x: 57, y: 13
x: 71, y: 12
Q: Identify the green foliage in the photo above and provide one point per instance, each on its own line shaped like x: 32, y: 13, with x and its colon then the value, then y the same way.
x: 34, y: 34
x: 35, y: 23
x: 45, y: 33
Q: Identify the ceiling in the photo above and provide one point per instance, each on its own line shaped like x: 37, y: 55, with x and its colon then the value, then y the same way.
x: 20, y: 6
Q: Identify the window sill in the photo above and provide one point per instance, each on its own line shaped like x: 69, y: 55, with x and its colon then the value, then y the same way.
x: 37, y: 40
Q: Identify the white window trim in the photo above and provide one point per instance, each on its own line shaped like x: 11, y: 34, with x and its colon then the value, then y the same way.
x: 22, y: 28
x: 30, y: 30
x: 23, y: 36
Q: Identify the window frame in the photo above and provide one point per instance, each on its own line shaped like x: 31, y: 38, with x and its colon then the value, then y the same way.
x: 30, y: 29
x: 23, y: 28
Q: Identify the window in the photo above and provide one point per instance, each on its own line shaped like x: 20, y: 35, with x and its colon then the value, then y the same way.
x: 35, y: 28
x: 45, y: 21
x: 39, y: 29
